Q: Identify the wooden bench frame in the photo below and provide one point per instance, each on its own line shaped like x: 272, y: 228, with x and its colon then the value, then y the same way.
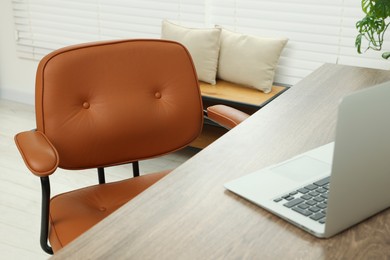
x: 246, y: 99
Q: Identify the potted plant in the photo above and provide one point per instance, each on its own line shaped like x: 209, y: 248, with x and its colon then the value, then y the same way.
x: 374, y: 25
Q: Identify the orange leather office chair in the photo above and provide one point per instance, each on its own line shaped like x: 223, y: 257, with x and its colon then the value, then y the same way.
x: 104, y: 104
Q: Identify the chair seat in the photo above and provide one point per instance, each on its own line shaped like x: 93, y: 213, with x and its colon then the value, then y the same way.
x: 73, y: 213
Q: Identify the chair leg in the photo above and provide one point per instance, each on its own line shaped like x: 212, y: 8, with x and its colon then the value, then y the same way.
x: 135, y: 169
x: 102, y: 178
x: 45, y: 185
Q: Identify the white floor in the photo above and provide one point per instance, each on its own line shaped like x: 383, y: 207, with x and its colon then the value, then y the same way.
x: 20, y: 192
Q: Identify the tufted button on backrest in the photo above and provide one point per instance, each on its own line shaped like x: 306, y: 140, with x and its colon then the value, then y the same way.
x: 114, y: 102
x: 86, y: 105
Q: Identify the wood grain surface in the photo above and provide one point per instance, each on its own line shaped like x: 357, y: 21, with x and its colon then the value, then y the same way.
x: 189, y: 214
x: 227, y: 91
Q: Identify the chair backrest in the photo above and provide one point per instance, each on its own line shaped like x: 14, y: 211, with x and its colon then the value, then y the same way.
x: 109, y: 103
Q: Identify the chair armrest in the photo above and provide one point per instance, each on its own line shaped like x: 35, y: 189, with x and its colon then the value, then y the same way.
x: 39, y: 155
x: 226, y: 116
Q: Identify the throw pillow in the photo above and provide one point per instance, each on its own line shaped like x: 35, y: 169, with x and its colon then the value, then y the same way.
x: 203, y: 45
x: 249, y: 60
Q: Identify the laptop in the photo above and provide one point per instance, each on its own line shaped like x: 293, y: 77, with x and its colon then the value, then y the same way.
x: 333, y: 187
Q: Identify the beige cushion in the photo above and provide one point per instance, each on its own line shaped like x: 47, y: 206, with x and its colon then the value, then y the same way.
x: 203, y: 45
x: 249, y: 60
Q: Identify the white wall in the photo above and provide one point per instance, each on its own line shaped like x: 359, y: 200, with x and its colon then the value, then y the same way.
x: 17, y: 76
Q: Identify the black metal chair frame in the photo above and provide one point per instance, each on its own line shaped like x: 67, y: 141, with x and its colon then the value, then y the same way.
x: 45, y: 185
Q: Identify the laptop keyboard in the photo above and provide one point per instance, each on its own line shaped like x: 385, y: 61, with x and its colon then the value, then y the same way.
x: 310, y: 200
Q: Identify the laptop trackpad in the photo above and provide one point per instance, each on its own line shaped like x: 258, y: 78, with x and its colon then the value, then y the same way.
x: 302, y: 168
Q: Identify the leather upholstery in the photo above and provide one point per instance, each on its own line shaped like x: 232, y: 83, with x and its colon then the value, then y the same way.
x: 104, y: 104
x: 39, y: 154
x: 116, y: 102
x: 73, y: 213
x: 226, y: 116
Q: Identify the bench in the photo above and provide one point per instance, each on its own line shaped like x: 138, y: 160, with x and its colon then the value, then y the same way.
x: 234, y: 57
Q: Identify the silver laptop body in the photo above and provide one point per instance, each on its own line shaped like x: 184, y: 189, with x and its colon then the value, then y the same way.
x: 358, y: 163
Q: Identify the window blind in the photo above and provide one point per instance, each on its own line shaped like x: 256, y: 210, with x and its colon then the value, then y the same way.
x: 311, y: 26
x: 46, y: 25
x: 318, y: 31
x: 129, y: 19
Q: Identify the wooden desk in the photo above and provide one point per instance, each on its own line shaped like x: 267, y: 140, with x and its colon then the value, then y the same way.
x: 189, y: 214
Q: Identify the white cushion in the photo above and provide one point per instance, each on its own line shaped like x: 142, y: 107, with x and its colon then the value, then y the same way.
x: 203, y: 45
x: 249, y: 60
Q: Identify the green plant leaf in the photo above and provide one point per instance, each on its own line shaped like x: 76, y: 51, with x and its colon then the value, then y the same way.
x: 386, y: 55
x: 381, y: 8
x: 373, y: 26
x: 358, y: 43
x: 366, y: 6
